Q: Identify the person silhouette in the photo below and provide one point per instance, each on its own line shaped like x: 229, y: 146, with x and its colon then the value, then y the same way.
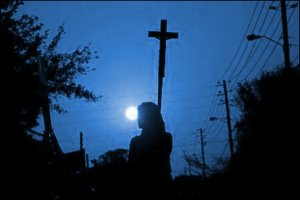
x: 149, y: 153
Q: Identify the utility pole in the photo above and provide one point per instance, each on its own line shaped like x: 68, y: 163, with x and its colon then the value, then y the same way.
x: 285, y: 35
x: 87, y: 161
x: 190, y: 168
x: 202, y: 153
x: 163, y: 36
x: 228, y: 119
x: 188, y: 160
x: 81, y: 141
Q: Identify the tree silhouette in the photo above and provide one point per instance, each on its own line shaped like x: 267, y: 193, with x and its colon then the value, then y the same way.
x: 22, y: 43
x: 194, y: 163
x: 114, y: 157
x: 267, y: 129
x: 110, y: 175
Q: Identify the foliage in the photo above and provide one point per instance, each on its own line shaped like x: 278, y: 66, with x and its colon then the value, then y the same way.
x: 22, y: 43
x: 111, y: 173
x: 193, y: 161
x: 219, y: 164
x: 114, y: 157
x: 266, y: 132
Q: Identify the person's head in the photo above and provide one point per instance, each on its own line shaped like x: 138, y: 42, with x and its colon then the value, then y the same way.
x: 149, y: 117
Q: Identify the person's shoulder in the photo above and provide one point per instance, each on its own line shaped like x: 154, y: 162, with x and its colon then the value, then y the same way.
x: 168, y: 134
x: 135, y: 139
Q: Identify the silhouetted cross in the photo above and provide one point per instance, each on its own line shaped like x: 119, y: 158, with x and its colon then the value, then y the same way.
x: 163, y: 36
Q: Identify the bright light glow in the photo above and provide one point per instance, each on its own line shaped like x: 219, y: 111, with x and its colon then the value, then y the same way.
x: 131, y: 113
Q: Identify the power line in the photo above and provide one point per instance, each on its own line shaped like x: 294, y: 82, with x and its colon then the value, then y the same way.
x: 223, y: 152
x: 262, y: 54
x: 265, y: 18
x: 99, y: 120
x: 260, y: 42
x: 215, y: 112
x: 250, y: 55
x: 245, y: 48
x: 267, y: 44
x: 240, y: 45
x: 217, y: 130
x: 272, y: 51
x: 294, y: 60
x: 121, y: 107
x: 268, y: 58
x: 294, y: 22
x: 258, y: 16
x: 264, y: 48
x: 211, y: 105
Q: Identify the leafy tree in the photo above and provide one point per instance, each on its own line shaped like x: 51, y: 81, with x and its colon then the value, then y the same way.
x: 22, y: 43
x: 219, y: 164
x: 268, y: 127
x: 194, y: 163
x: 111, y: 173
x: 114, y: 157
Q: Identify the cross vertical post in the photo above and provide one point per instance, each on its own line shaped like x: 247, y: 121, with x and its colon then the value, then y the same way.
x: 163, y: 36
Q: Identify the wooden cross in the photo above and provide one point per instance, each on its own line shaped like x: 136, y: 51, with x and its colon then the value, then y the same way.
x: 163, y: 36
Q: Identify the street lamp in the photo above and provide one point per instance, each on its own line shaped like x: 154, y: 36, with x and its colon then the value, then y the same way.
x: 216, y: 118
x: 295, y: 5
x: 252, y: 37
x: 285, y: 44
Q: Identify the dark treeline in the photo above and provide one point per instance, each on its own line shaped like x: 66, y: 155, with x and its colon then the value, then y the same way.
x: 265, y: 160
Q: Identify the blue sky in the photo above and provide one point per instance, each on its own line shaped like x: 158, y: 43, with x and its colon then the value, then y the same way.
x: 126, y: 73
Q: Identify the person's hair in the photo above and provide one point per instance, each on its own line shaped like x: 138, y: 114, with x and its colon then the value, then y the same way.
x: 150, y: 116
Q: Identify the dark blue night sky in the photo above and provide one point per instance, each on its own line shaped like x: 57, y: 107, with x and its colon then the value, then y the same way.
x: 211, y: 47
